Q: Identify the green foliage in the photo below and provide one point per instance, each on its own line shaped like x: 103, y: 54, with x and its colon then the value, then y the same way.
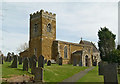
x: 106, y: 43
x: 115, y: 56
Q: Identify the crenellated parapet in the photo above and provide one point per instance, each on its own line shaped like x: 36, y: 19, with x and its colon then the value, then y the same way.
x: 44, y: 14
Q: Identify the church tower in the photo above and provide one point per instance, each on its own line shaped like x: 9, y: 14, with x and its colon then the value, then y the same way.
x: 42, y: 33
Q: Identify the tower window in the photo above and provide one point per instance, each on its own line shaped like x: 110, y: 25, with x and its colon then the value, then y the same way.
x: 65, y: 52
x: 49, y: 27
x: 35, y: 28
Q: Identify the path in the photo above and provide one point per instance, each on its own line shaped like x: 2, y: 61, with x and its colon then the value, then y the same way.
x: 76, y: 77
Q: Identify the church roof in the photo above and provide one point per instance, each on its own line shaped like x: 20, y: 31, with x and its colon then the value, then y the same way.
x: 89, y: 43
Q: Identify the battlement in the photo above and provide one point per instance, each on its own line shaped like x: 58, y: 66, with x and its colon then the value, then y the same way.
x: 43, y: 13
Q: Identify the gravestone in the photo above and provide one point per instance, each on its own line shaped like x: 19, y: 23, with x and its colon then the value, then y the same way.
x: 74, y: 62
x: 60, y: 61
x: 20, y: 60
x: 94, y: 63
x: 33, y: 65
x: 25, y: 64
x: 14, y: 63
x: 49, y: 63
x: 30, y: 62
x: 41, y: 61
x: 0, y: 59
x: 32, y: 59
x: 100, y: 68
x: 38, y: 72
x: 9, y: 58
x: 45, y: 60
x: 80, y: 63
x: 110, y: 74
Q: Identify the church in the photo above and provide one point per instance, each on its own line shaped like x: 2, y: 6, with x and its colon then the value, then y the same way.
x: 42, y: 41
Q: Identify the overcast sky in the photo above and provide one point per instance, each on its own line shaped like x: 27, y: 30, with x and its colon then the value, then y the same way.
x: 73, y: 21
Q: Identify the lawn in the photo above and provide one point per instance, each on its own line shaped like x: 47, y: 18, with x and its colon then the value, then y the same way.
x: 7, y: 71
x: 92, y: 76
x: 54, y: 73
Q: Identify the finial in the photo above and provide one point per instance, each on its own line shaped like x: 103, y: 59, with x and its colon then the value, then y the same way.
x: 81, y: 38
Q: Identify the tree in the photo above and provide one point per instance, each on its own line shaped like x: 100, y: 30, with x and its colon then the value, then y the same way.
x: 106, y: 43
x: 115, y: 56
x: 23, y: 47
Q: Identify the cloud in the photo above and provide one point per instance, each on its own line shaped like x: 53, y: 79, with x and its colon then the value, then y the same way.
x: 73, y: 20
x: 61, y: 0
x: 12, y: 41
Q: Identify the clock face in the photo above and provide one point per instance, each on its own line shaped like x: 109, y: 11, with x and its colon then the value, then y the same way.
x: 49, y: 27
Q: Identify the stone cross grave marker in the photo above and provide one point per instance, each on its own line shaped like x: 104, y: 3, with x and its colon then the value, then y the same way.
x: 41, y: 61
x: 25, y: 64
x: 14, y: 63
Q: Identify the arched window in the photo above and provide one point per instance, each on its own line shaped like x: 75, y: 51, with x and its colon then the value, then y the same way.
x: 49, y: 27
x: 65, y: 52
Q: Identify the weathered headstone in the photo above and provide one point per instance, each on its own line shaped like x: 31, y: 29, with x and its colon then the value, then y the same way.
x: 94, y: 63
x: 14, y: 63
x: 49, y: 63
x: 100, y: 68
x: 33, y: 65
x: 60, y: 61
x: 38, y: 72
x: 25, y: 64
x: 30, y: 62
x: 9, y: 58
x: 110, y: 74
x: 74, y: 62
x: 20, y: 60
x: 0, y: 59
x: 41, y: 61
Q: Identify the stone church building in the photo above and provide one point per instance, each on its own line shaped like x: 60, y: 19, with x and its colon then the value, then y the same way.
x: 43, y: 42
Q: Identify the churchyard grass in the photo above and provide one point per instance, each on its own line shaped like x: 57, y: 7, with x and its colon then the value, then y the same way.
x: 57, y: 73
x: 92, y: 76
x: 8, y: 72
x: 53, y: 73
